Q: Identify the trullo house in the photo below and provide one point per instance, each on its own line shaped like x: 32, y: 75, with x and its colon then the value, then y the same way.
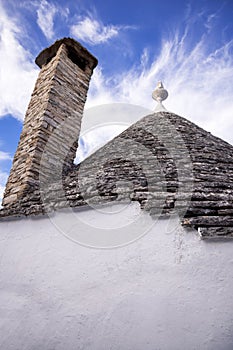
x: 131, y: 248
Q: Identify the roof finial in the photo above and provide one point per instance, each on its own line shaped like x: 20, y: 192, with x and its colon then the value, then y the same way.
x: 159, y: 95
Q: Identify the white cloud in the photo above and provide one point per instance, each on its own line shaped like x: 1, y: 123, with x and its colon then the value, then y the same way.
x: 17, y: 70
x: 45, y: 18
x: 100, y: 92
x: 93, y: 31
x: 4, y: 156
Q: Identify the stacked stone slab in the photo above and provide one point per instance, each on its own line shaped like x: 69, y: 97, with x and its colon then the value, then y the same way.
x: 53, y: 119
x: 148, y: 163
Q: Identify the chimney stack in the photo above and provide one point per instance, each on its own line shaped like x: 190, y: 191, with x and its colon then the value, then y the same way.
x: 59, y: 96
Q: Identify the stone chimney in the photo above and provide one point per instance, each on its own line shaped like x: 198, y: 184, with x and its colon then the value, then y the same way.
x: 58, y: 98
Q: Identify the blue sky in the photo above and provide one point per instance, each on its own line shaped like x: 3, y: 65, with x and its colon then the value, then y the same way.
x: 187, y: 44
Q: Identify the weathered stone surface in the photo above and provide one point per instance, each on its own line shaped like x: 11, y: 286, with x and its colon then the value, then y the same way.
x: 76, y: 52
x: 57, y: 102
x: 215, y: 233
x: 151, y: 168
x: 163, y: 161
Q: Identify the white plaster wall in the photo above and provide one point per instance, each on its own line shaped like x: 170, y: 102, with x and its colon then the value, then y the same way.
x: 165, y: 291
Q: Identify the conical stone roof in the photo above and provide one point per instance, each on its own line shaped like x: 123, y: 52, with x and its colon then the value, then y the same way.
x: 165, y: 162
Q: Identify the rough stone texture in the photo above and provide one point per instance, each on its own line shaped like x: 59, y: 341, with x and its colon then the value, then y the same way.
x: 163, y: 161
x: 59, y: 96
x: 216, y: 233
x: 76, y: 52
x: 166, y: 163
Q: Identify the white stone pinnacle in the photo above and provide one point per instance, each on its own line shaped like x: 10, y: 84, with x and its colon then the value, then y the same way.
x: 159, y: 95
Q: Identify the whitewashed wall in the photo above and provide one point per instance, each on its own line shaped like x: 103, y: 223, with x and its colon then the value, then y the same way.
x: 167, y: 290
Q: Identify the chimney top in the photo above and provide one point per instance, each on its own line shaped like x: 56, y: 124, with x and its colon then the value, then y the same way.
x: 76, y: 52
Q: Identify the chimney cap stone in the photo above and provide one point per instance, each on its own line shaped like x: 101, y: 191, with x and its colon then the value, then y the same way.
x: 77, y: 49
